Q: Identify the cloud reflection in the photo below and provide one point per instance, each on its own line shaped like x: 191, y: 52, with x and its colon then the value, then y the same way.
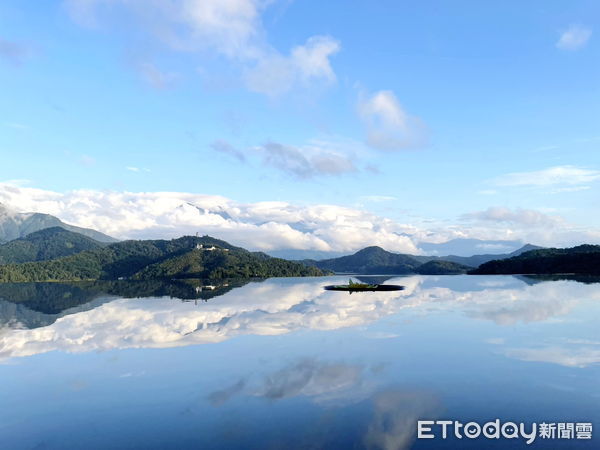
x: 394, y: 422
x: 277, y: 307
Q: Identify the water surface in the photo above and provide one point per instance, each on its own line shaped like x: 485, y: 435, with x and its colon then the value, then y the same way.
x: 281, y: 363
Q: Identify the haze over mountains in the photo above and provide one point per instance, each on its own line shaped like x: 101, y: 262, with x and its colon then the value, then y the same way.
x: 14, y: 225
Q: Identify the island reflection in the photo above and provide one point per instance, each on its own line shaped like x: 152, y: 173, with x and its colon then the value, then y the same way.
x: 83, y: 317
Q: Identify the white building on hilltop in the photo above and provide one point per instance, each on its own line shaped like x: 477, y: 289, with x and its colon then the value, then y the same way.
x: 212, y: 248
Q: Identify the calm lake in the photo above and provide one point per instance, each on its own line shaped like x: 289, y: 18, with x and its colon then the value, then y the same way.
x: 283, y: 364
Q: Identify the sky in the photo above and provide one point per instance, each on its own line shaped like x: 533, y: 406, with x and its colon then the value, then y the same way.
x: 282, y: 124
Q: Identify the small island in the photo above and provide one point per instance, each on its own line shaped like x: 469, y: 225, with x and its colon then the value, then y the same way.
x: 354, y: 286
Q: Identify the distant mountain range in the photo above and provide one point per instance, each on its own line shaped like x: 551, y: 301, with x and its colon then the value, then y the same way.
x: 468, y: 247
x: 186, y: 257
x: 46, y: 249
x: 375, y: 260
x: 583, y: 259
x: 14, y: 225
x: 477, y: 260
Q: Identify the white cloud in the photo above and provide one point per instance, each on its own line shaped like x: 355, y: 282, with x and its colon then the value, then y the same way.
x: 230, y: 28
x: 260, y: 226
x: 526, y: 225
x: 574, y: 37
x: 307, y: 161
x: 276, y: 225
x: 275, y: 74
x: 227, y: 26
x: 388, y: 126
x: 552, y: 176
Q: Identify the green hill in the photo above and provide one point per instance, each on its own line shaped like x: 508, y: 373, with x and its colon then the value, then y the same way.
x: 370, y: 260
x: 49, y: 243
x: 177, y: 258
x: 375, y: 260
x: 439, y: 267
x: 583, y: 259
x: 477, y: 260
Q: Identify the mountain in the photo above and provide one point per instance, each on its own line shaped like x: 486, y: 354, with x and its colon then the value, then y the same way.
x: 33, y: 305
x: 369, y: 260
x: 468, y: 247
x: 15, y: 225
x: 583, y: 259
x: 375, y: 260
x: 477, y: 260
x: 186, y: 257
x: 49, y: 243
x: 439, y: 267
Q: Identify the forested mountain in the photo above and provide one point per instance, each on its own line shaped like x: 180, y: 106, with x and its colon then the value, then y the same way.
x: 477, y: 260
x: 583, y: 259
x: 15, y: 225
x: 375, y: 260
x: 49, y: 243
x: 440, y: 267
x: 370, y: 260
x: 176, y: 258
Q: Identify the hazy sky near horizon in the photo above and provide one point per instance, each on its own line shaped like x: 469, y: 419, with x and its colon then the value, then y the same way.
x: 414, y: 120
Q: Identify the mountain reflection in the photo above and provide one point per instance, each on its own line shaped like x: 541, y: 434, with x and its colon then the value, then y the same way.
x: 102, y: 316
x: 31, y: 305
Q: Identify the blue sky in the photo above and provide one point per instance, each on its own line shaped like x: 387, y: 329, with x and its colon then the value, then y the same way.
x: 467, y: 118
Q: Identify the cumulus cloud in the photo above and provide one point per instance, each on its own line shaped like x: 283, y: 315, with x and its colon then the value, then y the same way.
x: 258, y: 226
x: 552, y: 176
x: 305, y: 162
x: 271, y: 225
x: 13, y: 52
x: 526, y: 225
x: 230, y: 28
x: 275, y: 74
x: 574, y: 38
x: 388, y: 125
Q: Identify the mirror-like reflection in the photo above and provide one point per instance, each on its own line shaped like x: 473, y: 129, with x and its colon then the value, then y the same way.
x: 31, y: 305
x: 284, y: 363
